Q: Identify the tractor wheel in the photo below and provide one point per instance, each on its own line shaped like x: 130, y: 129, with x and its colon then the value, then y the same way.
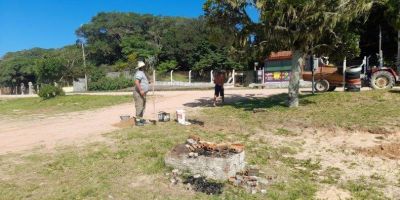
x: 331, y: 88
x: 322, y: 85
x: 382, y: 80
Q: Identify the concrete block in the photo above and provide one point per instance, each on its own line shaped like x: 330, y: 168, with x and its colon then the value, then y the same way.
x: 216, y: 168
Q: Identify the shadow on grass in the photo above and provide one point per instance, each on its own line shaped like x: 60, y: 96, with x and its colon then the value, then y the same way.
x: 395, y: 91
x: 274, y: 101
x: 229, y: 99
x: 249, y: 103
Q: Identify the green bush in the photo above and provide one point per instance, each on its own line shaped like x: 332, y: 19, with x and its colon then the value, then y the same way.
x: 106, y: 83
x: 167, y: 66
x: 97, y: 74
x: 50, y: 91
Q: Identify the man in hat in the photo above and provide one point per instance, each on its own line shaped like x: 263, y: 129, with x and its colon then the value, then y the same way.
x: 139, y: 93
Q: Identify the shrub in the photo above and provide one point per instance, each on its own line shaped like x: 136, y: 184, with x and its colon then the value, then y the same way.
x: 97, y: 74
x: 167, y: 66
x: 107, y: 83
x: 50, y: 91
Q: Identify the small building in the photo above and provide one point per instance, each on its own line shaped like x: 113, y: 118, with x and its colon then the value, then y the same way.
x: 278, y: 66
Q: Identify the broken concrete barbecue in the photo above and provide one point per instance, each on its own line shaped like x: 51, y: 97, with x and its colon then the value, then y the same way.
x: 221, y: 162
x: 210, y: 160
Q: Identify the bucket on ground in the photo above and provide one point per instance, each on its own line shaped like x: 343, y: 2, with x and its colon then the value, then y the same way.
x: 181, y: 116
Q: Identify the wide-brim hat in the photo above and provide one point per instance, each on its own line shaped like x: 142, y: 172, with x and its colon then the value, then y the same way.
x: 140, y: 64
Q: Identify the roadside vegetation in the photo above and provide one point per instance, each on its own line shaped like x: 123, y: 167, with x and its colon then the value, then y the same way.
x: 23, y: 107
x: 283, y: 142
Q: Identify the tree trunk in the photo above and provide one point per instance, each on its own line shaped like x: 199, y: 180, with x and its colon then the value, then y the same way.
x: 294, y: 83
x: 398, y: 51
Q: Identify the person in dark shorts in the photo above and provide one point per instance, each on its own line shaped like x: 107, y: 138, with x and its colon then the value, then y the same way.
x: 219, y: 80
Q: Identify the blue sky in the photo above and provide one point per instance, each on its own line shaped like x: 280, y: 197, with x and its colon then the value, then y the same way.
x: 52, y: 23
x: 25, y: 24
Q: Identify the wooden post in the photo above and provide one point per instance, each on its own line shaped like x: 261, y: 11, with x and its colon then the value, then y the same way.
x: 344, y: 74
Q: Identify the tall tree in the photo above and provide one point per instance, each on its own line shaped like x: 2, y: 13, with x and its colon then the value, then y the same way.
x: 394, y: 17
x: 297, y: 25
x: 19, y: 67
x: 105, y: 32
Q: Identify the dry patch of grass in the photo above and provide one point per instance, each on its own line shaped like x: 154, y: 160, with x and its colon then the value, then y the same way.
x: 390, y: 150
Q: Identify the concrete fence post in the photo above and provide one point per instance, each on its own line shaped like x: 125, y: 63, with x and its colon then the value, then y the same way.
x: 154, y: 77
x: 172, y: 71
x: 30, y: 88
x: 233, y: 77
x: 211, y: 76
x: 190, y: 76
x: 344, y: 73
x: 263, y: 75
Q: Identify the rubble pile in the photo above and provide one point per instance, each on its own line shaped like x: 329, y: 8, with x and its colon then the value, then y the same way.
x: 198, y: 147
x: 249, y: 180
x: 175, y: 179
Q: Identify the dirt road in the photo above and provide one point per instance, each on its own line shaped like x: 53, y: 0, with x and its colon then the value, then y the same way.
x: 78, y: 127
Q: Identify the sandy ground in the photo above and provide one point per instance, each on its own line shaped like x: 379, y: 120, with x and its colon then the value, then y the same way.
x: 352, y: 154
x: 77, y: 127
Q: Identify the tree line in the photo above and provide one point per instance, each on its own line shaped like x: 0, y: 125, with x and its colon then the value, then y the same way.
x: 115, y: 41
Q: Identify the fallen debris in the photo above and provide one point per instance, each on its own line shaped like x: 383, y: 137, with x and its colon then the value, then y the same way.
x: 199, y: 147
x: 175, y: 179
x: 249, y: 180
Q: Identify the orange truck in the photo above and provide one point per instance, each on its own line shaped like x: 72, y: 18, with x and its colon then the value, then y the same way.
x: 326, y: 77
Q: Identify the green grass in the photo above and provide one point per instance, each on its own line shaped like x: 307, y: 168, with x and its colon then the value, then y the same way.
x: 177, y: 76
x: 374, y: 111
x: 331, y: 175
x: 29, y: 106
x: 362, y: 189
x: 130, y: 165
x: 284, y: 132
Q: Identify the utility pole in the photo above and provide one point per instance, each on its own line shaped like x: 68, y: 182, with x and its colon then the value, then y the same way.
x: 398, y: 43
x: 380, y: 48
x: 398, y: 50
x: 312, y: 65
x: 84, y: 65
